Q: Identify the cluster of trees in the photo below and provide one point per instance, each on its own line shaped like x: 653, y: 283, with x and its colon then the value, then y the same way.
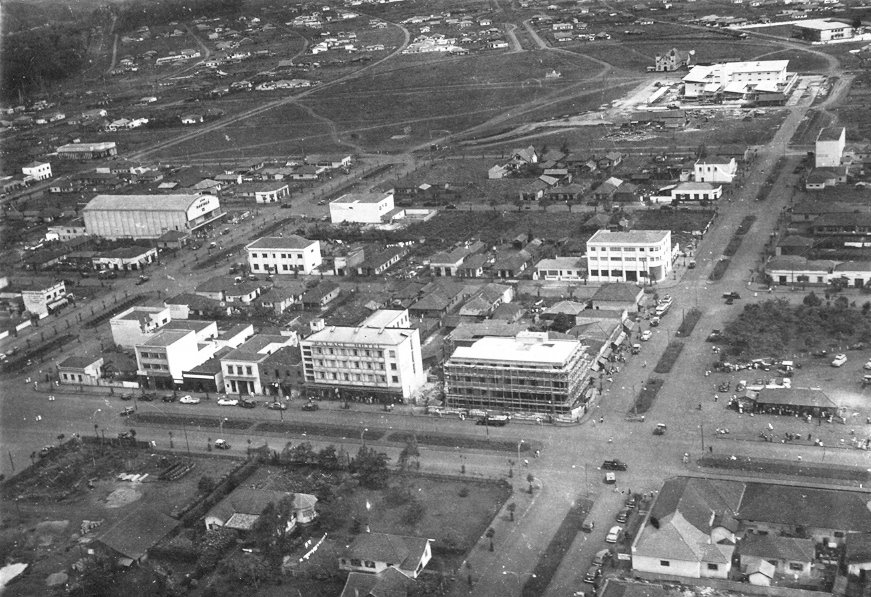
x: 136, y: 14
x: 35, y: 59
x: 775, y: 327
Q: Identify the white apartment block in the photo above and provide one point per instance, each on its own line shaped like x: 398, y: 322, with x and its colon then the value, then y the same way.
x: 37, y: 170
x: 137, y: 324
x: 40, y: 301
x: 284, y: 255
x: 638, y: 256
x: 361, y: 208
x: 715, y: 169
x: 162, y: 358
x: 529, y: 372
x: 375, y: 357
x: 703, y: 80
x: 830, y: 147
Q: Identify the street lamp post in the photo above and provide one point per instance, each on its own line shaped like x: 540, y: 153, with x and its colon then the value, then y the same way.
x: 221, y: 426
x: 518, y: 450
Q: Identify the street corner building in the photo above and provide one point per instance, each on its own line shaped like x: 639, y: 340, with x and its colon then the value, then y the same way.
x: 639, y: 256
x: 530, y: 372
x: 148, y: 216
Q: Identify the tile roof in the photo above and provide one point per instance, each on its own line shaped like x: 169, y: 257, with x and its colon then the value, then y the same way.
x: 618, y: 292
x: 142, y: 202
x: 387, y: 583
x: 776, y: 547
x: 402, y: 551
x: 795, y: 397
x: 137, y: 532
x: 806, y: 506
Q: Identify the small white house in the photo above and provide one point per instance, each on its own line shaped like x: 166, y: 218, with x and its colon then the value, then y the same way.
x: 37, y: 170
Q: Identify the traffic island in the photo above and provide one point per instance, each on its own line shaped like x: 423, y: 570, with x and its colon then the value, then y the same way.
x: 769, y: 467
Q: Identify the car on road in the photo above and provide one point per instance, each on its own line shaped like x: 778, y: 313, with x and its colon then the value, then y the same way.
x: 867, y: 365
x: 247, y: 403
x: 623, y: 515
x: 646, y: 335
x: 654, y: 321
x: 714, y: 336
x: 127, y: 411
x: 601, y: 557
x: 276, y: 406
x: 631, y: 502
x: 659, y: 429
x: 221, y: 444
x: 731, y: 295
x: 142, y: 280
x: 126, y: 396
x: 312, y: 406
x: 592, y: 575
x: 588, y: 526
x: 614, y: 465
x: 636, y: 349
x: 839, y: 360
x: 189, y: 400
x: 614, y: 534
x: 228, y: 402
x: 168, y: 398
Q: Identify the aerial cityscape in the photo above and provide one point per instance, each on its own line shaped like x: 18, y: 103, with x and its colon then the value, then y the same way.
x: 394, y: 298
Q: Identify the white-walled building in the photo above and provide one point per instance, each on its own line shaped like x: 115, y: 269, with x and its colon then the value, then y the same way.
x: 563, y: 269
x: 41, y: 301
x: 704, y: 80
x: 822, y: 30
x: 640, y: 256
x: 137, y: 324
x: 830, y: 147
x: 148, y: 216
x: 376, y: 357
x: 162, y: 358
x: 37, y: 170
x: 361, y: 208
x: 696, y: 191
x: 715, y: 169
x: 241, y: 367
x: 284, y: 255
x: 530, y: 372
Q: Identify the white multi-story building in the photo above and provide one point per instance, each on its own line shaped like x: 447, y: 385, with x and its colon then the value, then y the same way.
x: 40, y: 301
x: 284, y: 255
x: 37, y: 170
x: 162, y: 358
x: 704, y: 80
x: 380, y: 356
x: 241, y: 366
x: 137, y: 324
x: 640, y: 256
x: 529, y: 372
x: 715, y: 169
x: 361, y: 208
x: 830, y: 147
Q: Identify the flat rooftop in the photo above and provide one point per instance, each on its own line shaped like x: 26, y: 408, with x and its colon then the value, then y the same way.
x: 281, y: 242
x: 830, y: 133
x: 361, y: 198
x: 631, y: 237
x: 524, y: 350
x: 821, y: 25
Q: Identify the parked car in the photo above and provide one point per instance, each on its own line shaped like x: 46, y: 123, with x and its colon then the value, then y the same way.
x: 46, y: 450
x: 127, y: 411
x: 631, y: 502
x: 247, y: 403
x: 189, y: 400
x: 592, y: 575
x: 623, y: 515
x: 142, y: 280
x: 614, y: 534
x: 867, y: 365
x: 588, y: 526
x: 714, y: 336
x: 311, y: 406
x: 646, y: 335
x: 168, y: 398
x: 148, y: 397
x: 126, y: 396
x: 614, y: 465
x: 228, y: 402
x: 636, y: 348
x: 731, y: 295
x: 276, y: 406
x: 601, y: 557
x: 221, y: 444
x: 659, y: 429
x: 839, y: 360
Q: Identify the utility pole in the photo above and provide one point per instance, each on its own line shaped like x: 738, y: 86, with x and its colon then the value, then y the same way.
x: 702, y: 432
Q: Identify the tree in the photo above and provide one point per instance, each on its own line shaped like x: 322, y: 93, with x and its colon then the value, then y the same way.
x: 206, y: 485
x: 371, y: 466
x: 562, y: 322
x: 511, y: 508
x: 272, y: 529
x: 857, y: 22
x: 98, y: 578
x: 409, y: 451
x: 812, y: 300
x: 491, y: 532
x: 248, y: 569
x: 328, y: 459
